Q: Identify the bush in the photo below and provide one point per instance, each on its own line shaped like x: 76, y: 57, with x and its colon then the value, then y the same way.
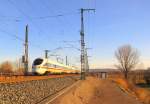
x: 147, y: 76
x: 6, y: 67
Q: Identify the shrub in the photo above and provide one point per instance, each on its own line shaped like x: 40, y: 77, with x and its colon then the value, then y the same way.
x: 147, y: 76
x: 6, y: 67
x: 142, y: 94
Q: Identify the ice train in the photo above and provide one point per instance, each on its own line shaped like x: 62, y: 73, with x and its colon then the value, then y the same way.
x: 43, y: 66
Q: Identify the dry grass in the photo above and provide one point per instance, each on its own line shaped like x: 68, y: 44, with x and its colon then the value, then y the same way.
x: 141, y: 93
x: 12, y: 79
x: 6, y: 67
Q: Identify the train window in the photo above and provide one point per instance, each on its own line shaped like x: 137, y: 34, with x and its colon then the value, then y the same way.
x: 38, y: 61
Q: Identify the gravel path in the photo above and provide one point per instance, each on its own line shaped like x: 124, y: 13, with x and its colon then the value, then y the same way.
x: 96, y: 91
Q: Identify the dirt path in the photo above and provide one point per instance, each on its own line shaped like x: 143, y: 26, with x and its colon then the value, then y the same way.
x: 96, y: 91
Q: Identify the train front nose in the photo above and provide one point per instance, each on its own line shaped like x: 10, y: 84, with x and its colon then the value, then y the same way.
x: 36, y: 66
x: 36, y: 69
x: 40, y: 71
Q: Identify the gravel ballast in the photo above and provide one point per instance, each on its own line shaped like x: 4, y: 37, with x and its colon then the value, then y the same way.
x: 32, y: 92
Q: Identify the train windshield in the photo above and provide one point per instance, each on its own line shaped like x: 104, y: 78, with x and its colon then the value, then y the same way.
x: 38, y: 62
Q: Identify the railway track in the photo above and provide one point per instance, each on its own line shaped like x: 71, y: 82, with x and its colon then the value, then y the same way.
x: 16, y: 79
x: 50, y: 98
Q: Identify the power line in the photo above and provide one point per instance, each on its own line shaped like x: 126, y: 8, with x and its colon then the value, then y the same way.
x: 58, y: 16
x: 3, y: 16
x: 37, y: 18
x: 9, y: 18
x: 20, y: 39
x: 17, y: 19
x: 12, y: 35
x: 46, y: 37
x: 40, y: 18
x: 54, y: 16
x: 50, y: 16
x: 27, y: 17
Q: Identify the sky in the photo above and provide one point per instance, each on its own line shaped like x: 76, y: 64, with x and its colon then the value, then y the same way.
x: 56, y: 23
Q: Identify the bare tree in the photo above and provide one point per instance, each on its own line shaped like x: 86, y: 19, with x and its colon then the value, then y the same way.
x: 128, y: 58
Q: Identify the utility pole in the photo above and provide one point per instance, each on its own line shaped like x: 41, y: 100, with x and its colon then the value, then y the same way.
x: 26, y: 51
x: 66, y: 60
x: 46, y: 54
x: 86, y: 61
x: 83, y: 43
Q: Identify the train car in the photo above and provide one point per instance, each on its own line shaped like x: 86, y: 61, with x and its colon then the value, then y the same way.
x: 43, y: 66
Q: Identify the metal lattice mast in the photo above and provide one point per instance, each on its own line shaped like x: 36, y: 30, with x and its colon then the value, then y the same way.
x: 82, y: 47
x: 46, y: 54
x: 83, y: 70
x: 86, y: 61
x: 26, y: 51
x: 66, y: 60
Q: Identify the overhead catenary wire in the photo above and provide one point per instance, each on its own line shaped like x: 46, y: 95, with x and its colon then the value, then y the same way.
x: 46, y: 37
x: 17, y: 19
x: 38, y: 18
x: 15, y: 36
x: 26, y: 16
x: 54, y: 16
x: 9, y: 18
x: 29, y: 18
x: 20, y: 39
x: 12, y: 35
x: 59, y: 18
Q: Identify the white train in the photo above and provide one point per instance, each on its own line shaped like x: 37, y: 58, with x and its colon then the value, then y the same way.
x: 45, y: 66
